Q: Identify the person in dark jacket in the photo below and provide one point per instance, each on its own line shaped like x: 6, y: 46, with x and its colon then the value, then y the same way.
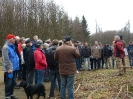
x: 29, y: 61
x: 53, y: 66
x: 130, y: 51
x: 107, y: 53
x: 86, y: 53
x: 79, y: 59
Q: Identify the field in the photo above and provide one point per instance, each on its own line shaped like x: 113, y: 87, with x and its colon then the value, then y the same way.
x: 99, y: 84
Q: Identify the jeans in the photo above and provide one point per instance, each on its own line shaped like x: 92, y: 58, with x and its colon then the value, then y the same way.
x: 30, y: 76
x: 89, y: 66
x: 78, y: 63
x: 53, y: 77
x: 67, y: 81
x: 39, y: 76
x: 9, y: 85
x: 98, y: 63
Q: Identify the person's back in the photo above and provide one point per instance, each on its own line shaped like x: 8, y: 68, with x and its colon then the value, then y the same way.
x: 66, y: 57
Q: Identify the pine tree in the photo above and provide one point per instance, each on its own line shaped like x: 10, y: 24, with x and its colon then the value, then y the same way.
x: 85, y: 30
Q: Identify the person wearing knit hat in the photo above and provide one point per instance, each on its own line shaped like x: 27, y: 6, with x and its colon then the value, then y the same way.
x: 10, y: 61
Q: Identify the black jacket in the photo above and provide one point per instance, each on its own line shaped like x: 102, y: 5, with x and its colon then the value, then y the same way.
x: 86, y: 52
x: 52, y: 63
x: 107, y: 51
x: 29, y: 58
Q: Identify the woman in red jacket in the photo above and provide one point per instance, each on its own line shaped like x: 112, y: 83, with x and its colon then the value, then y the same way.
x: 40, y: 63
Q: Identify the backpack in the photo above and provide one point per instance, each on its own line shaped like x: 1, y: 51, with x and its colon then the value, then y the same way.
x: 50, y: 56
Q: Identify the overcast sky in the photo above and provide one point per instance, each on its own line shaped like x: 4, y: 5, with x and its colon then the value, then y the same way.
x: 110, y: 14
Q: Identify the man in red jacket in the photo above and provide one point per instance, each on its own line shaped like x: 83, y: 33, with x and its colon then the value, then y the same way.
x: 119, y: 54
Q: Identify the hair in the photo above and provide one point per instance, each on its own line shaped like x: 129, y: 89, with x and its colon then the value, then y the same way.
x: 85, y: 44
x: 22, y: 39
x: 118, y: 37
x: 35, y: 37
x: 55, y: 42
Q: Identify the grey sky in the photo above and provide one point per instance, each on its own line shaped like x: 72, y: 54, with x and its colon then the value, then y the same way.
x: 110, y: 14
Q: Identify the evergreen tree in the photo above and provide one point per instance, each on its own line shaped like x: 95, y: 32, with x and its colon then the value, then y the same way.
x: 86, y: 32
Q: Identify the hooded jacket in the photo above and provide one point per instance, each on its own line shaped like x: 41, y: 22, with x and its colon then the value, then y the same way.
x: 119, y: 49
x: 40, y: 59
x: 10, y: 59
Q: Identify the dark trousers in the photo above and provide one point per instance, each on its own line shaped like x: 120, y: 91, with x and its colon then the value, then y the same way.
x: 9, y: 85
x: 102, y: 62
x: 30, y: 76
x: 92, y: 62
x: 97, y: 66
x: 24, y: 72
x: 53, y: 77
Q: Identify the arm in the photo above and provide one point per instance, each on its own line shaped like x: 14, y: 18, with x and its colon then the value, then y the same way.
x: 5, y: 58
x: 76, y: 53
x: 119, y: 47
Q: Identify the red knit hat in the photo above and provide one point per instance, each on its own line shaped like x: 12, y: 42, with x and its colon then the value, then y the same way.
x: 10, y: 36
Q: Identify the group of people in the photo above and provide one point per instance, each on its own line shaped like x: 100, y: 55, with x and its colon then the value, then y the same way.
x: 29, y: 59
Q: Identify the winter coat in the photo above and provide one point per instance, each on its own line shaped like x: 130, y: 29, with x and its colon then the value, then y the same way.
x: 119, y: 49
x: 107, y: 51
x: 10, y: 59
x: 96, y: 51
x: 29, y: 58
x: 52, y: 63
x: 86, y: 52
x: 40, y: 59
x: 66, y: 55
x: 130, y: 49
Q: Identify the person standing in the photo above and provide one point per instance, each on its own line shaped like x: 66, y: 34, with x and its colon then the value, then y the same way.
x: 119, y: 54
x: 86, y: 53
x: 107, y: 53
x: 10, y: 61
x: 29, y: 61
x: 65, y: 55
x: 40, y: 62
x: 96, y: 53
x: 53, y: 66
x: 130, y: 52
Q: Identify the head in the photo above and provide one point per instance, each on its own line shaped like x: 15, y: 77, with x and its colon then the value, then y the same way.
x: 55, y: 42
x: 85, y: 44
x: 23, y: 46
x: 35, y: 38
x: 17, y: 38
x: 28, y: 42
x: 96, y: 43
x: 76, y: 43
x: 46, y: 46
x: 131, y: 43
x: 106, y: 44
x: 117, y: 38
x: 11, y: 38
x: 67, y: 40
x: 22, y: 40
x: 39, y: 44
x: 113, y: 43
x: 60, y: 42
x: 23, y: 84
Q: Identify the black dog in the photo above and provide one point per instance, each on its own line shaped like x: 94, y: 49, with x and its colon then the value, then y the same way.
x: 30, y: 90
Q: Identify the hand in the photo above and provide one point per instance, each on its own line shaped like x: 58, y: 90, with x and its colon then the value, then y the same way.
x: 10, y: 71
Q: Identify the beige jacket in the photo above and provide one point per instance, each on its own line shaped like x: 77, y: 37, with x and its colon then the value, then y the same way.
x: 96, y: 51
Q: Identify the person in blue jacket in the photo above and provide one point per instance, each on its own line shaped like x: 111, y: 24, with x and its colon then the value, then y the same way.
x: 10, y: 61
